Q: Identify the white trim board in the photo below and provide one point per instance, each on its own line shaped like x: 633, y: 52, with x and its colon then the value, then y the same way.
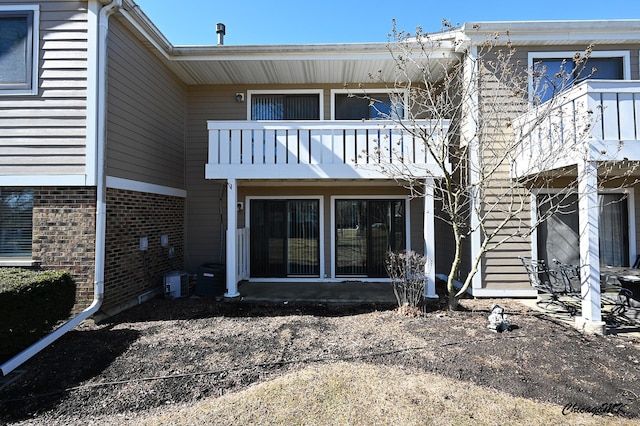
x: 132, y: 185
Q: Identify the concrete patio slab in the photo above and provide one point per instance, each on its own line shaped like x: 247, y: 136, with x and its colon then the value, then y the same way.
x: 318, y: 292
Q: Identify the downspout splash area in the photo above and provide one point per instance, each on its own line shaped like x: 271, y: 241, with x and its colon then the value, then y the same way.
x: 99, y: 139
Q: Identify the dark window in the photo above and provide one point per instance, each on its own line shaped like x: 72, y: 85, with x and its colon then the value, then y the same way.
x: 16, y: 50
x: 370, y: 107
x: 285, y: 107
x: 365, y: 231
x: 16, y: 223
x: 285, y: 238
x: 559, y: 235
x: 553, y: 75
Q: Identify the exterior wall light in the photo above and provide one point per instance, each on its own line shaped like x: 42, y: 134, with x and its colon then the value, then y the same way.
x: 239, y: 97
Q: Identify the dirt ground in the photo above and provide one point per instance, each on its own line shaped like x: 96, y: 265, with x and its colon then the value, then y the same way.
x: 164, y: 353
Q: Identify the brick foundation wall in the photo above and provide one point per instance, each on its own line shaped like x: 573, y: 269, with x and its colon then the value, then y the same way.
x: 64, y: 224
x: 129, y: 271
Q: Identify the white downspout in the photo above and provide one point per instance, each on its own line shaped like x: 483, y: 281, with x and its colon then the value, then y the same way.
x: 98, y: 139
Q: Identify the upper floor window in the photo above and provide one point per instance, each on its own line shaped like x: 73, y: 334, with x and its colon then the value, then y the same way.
x: 18, y: 50
x: 557, y: 71
x: 367, y: 105
x: 16, y: 223
x: 285, y: 105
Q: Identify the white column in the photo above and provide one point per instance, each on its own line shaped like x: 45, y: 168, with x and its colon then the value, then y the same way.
x: 429, y: 241
x: 591, y: 319
x: 232, y: 226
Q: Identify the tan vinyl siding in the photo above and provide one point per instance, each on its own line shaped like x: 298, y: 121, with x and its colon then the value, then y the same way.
x: 500, y: 265
x: 45, y: 134
x: 502, y: 268
x: 146, y: 114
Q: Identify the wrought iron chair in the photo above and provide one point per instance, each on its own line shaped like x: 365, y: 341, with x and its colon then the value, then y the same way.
x: 550, y: 285
x: 571, y: 276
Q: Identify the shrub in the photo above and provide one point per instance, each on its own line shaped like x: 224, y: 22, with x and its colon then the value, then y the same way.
x: 31, y: 304
x: 407, y: 272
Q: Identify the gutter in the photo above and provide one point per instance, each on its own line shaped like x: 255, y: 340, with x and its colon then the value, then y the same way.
x: 99, y: 139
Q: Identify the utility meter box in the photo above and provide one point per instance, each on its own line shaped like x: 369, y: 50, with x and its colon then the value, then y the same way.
x: 176, y: 284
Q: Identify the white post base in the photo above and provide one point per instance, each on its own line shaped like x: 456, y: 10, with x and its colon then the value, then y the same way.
x: 590, y: 327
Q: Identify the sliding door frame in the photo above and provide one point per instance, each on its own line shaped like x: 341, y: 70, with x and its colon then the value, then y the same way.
x: 407, y: 219
x: 321, y: 215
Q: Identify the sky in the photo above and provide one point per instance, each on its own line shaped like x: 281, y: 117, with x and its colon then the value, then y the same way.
x: 258, y: 22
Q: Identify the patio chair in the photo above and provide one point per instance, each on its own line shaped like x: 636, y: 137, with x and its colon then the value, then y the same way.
x: 549, y: 284
x: 571, y: 277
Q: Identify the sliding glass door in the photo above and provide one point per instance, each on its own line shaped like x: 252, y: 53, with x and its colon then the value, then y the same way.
x: 559, y: 235
x: 365, y: 230
x: 284, y: 238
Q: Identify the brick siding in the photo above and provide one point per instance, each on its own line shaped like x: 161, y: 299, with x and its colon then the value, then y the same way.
x: 128, y: 270
x: 64, y: 235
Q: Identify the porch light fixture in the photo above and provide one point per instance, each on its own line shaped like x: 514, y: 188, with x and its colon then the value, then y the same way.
x: 239, y: 97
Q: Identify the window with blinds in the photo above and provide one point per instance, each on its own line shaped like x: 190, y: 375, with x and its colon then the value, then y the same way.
x: 16, y: 223
x: 285, y: 238
x: 285, y: 107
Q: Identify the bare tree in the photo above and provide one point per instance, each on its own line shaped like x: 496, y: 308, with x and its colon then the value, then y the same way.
x: 486, y: 165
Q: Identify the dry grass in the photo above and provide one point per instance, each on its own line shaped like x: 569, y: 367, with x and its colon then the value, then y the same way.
x: 364, y: 394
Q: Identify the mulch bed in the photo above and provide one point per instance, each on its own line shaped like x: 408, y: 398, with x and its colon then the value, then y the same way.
x: 168, y: 352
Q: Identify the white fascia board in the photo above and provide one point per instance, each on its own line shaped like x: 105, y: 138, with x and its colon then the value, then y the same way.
x: 302, y: 52
x: 563, y: 31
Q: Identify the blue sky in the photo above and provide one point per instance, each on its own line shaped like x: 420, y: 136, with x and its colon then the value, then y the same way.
x: 192, y: 22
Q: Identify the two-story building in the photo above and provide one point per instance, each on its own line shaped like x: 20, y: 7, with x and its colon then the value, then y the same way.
x: 124, y: 157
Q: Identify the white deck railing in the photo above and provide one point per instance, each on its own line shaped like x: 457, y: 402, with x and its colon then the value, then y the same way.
x: 314, y: 149
x: 597, y: 120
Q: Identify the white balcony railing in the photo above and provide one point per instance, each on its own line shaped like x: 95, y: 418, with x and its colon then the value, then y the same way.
x: 598, y: 120
x: 315, y: 149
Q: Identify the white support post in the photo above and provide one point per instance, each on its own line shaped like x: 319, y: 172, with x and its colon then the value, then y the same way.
x: 591, y: 319
x: 232, y: 225
x: 429, y: 242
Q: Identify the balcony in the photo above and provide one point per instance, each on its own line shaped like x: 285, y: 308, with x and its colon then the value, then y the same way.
x: 317, y: 149
x: 597, y: 120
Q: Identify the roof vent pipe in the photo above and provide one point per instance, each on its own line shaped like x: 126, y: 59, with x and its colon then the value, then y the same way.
x: 220, y: 30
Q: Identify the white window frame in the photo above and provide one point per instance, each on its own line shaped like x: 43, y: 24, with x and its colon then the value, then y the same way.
x: 404, y: 93
x: 319, y: 92
x: 407, y: 209
x: 624, y: 54
x: 35, y: 48
x: 631, y: 211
